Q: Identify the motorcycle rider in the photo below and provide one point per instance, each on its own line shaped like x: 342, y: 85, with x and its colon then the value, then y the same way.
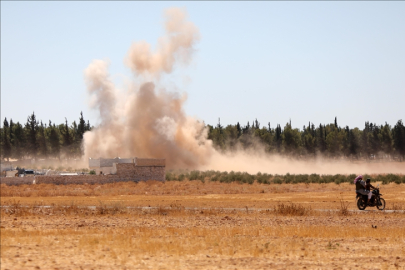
x: 369, y: 186
x: 361, y: 187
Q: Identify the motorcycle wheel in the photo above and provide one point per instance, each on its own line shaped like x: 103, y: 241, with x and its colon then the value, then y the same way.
x: 381, y: 204
x: 361, y: 204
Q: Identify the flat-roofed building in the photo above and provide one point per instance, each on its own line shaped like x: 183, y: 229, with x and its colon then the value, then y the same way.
x: 138, y: 169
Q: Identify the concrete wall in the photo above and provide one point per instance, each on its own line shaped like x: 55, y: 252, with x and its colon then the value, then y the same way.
x: 125, y: 173
x: 11, y: 181
x: 94, y: 163
x: 142, y: 170
x: 6, y: 166
x: 140, y: 173
x: 79, y: 179
x: 108, y: 162
x: 11, y: 173
x: 105, y: 170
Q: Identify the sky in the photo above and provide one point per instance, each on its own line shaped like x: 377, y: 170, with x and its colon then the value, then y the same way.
x: 271, y: 61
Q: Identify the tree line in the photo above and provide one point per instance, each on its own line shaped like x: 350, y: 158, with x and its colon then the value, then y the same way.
x: 34, y: 139
x: 331, y: 140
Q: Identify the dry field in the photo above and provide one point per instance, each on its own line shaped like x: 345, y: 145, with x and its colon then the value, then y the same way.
x: 195, y: 225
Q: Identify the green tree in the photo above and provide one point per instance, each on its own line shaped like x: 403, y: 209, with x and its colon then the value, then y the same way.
x: 309, y: 140
x: 266, y: 137
x: 42, y: 144
x: 291, y: 139
x: 239, y: 129
x: 365, y: 140
x: 32, y: 128
x: 278, y: 138
x: 81, y: 128
x: 230, y: 134
x: 19, y: 142
x: 374, y: 139
x: 67, y: 139
x: 334, y: 140
x: 321, y: 139
x: 386, y: 139
x: 11, y: 136
x: 399, y: 138
x: 6, y: 145
x: 54, y: 140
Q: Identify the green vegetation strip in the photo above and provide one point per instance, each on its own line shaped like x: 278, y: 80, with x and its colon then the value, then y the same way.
x: 244, y: 177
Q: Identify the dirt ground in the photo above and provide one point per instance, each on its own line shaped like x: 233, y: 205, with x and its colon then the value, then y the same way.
x: 193, y: 225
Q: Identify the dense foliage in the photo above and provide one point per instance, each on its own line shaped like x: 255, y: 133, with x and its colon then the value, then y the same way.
x: 333, y: 141
x: 34, y: 139
x: 244, y: 177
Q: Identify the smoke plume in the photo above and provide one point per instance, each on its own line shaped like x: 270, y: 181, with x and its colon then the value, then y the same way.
x: 175, y: 46
x: 148, y: 121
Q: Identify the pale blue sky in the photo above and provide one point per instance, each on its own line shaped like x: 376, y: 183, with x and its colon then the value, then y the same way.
x: 308, y: 61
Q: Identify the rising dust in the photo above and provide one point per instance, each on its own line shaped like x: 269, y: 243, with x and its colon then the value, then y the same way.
x: 146, y: 120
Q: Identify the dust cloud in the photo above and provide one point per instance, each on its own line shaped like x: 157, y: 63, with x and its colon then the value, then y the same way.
x: 148, y: 121
x: 177, y: 45
x: 275, y: 164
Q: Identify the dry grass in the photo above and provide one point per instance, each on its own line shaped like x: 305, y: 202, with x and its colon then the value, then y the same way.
x: 344, y: 206
x: 159, y: 241
x: 200, y: 195
x: 117, y: 234
x: 292, y: 210
x: 397, y: 207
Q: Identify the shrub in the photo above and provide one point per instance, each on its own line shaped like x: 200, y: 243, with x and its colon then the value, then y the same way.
x: 215, y: 178
x: 314, y: 178
x: 224, y: 179
x: 379, y: 178
x: 181, y: 177
x: 288, y: 178
x: 232, y: 177
x: 201, y: 177
x: 92, y: 172
x: 247, y: 178
x: 396, y: 178
x: 327, y: 179
x: 351, y: 177
x: 338, y: 178
x: 194, y: 175
x: 301, y: 178
x: 277, y: 180
x: 170, y: 176
x: 291, y: 209
x: 263, y: 178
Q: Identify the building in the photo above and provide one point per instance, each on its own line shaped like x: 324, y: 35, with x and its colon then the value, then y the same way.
x: 105, y: 165
x: 137, y: 169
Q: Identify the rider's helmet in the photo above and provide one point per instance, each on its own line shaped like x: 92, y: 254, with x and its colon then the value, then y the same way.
x: 368, y: 180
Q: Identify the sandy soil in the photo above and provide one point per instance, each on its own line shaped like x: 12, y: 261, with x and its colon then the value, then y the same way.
x: 112, y: 236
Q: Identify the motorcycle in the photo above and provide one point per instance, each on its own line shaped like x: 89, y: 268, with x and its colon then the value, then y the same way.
x: 375, y: 200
